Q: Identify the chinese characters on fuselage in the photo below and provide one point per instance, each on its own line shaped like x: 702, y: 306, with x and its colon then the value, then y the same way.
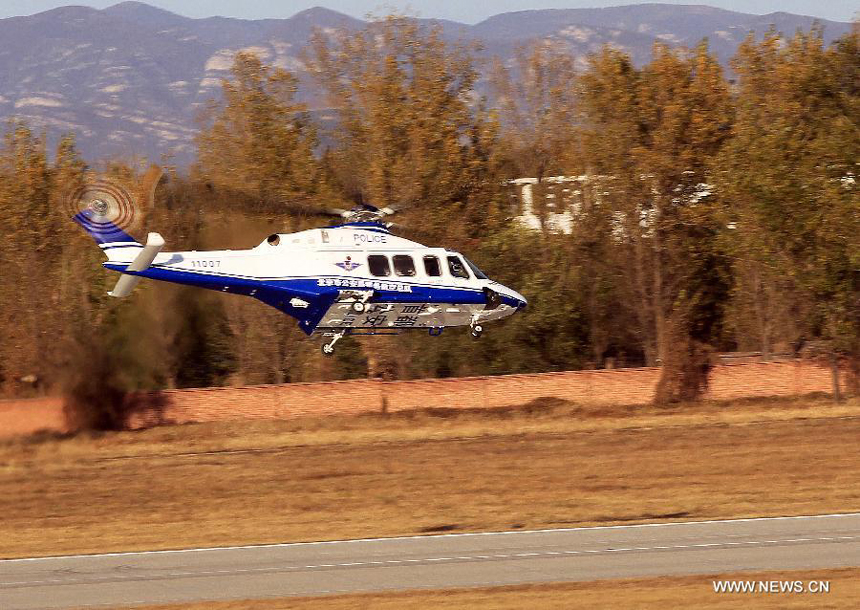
x: 344, y: 282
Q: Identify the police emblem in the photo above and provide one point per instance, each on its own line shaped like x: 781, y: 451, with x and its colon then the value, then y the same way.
x: 348, y: 265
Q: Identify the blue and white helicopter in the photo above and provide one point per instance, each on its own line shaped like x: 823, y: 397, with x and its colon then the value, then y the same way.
x: 350, y: 279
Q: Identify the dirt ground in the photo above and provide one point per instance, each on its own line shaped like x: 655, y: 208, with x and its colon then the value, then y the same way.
x: 674, y: 592
x: 547, y: 464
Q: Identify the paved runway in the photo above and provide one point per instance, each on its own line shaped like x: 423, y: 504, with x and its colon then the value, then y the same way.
x: 458, y: 560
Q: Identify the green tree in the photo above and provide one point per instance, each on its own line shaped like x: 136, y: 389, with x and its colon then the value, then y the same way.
x: 789, y: 177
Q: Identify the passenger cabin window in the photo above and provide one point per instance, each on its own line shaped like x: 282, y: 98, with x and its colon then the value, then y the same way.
x: 274, y: 239
x: 431, y: 266
x: 378, y: 265
x: 404, y: 265
x: 456, y: 267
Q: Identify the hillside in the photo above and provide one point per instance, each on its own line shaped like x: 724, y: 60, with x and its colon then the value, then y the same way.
x: 131, y: 79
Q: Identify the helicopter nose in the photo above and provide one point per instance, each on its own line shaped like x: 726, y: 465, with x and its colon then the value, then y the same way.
x: 513, y: 298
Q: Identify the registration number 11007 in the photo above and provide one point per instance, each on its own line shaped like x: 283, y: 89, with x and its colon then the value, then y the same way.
x: 206, y: 263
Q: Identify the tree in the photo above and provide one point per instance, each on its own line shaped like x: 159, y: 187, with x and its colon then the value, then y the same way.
x: 118, y: 367
x: 789, y: 177
x: 651, y: 133
x: 536, y: 99
x: 410, y: 130
x: 29, y: 249
x: 258, y: 142
x: 410, y: 134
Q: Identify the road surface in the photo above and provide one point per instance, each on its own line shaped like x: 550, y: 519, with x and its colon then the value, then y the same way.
x: 456, y: 560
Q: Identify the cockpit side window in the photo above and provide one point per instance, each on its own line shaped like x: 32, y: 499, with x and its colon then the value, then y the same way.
x: 478, y: 273
x: 404, y: 265
x: 456, y: 267
x: 378, y: 264
x: 431, y: 266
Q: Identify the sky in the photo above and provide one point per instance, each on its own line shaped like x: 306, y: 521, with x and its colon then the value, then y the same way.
x: 456, y: 10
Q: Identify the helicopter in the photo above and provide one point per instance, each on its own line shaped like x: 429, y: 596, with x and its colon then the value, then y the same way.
x: 352, y: 278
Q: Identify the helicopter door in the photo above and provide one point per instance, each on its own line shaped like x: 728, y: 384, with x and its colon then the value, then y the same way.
x: 456, y: 274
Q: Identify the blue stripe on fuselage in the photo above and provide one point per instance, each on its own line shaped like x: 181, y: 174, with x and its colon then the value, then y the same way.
x: 278, y: 292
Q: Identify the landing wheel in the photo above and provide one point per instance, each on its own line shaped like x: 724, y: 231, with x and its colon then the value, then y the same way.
x: 328, y: 348
x: 477, y: 331
x: 359, y: 307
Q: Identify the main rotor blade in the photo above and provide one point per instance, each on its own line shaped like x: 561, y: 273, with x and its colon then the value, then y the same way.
x: 306, y: 209
x: 410, y: 230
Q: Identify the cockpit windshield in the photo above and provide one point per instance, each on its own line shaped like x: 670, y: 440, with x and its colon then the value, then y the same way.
x: 478, y: 273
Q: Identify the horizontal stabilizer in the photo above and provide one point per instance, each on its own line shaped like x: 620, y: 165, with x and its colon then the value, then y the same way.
x: 126, y: 283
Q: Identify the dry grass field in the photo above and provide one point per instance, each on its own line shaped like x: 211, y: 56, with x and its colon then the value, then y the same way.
x: 547, y: 464
x: 674, y: 592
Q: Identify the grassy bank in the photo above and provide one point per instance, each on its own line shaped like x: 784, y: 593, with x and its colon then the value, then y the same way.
x: 544, y: 465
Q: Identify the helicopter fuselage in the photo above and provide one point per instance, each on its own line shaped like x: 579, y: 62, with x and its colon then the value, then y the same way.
x: 353, y: 277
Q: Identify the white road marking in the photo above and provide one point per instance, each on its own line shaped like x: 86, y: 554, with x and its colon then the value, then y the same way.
x: 436, y: 536
x: 425, y: 560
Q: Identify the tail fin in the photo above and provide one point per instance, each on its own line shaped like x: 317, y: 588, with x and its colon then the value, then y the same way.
x: 103, y: 231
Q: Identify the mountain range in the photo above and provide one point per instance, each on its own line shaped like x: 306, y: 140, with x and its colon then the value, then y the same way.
x: 130, y: 80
